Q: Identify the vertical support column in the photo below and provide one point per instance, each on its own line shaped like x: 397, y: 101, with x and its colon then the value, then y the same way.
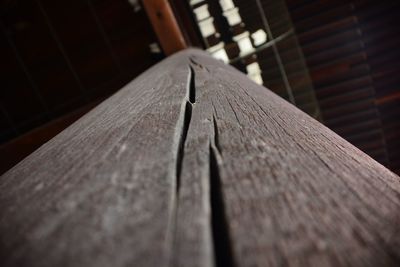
x: 165, y: 25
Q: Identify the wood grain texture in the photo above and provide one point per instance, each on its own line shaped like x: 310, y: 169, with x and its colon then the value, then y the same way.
x: 192, y: 164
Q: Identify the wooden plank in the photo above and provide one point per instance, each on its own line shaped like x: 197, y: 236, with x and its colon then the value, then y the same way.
x: 193, y: 164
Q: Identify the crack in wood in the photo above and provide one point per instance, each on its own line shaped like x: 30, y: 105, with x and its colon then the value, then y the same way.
x: 216, y: 134
x: 220, y: 241
x: 223, y: 255
x: 195, y: 63
x: 187, y: 117
x: 192, y: 86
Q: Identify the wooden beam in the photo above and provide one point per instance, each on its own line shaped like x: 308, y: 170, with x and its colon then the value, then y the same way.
x: 187, y: 23
x: 193, y: 164
x: 165, y: 25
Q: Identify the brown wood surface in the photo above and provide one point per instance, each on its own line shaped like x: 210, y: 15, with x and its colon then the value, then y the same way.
x: 193, y: 164
x: 165, y: 25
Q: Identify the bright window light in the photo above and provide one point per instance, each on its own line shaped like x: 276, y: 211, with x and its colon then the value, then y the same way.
x: 259, y: 37
x: 226, y: 4
x: 244, y: 43
x: 207, y: 27
x: 233, y: 16
x: 202, y: 12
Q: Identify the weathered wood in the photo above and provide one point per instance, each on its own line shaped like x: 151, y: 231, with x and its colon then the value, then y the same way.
x: 192, y: 164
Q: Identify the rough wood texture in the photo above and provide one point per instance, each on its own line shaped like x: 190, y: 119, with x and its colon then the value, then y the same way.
x: 192, y: 164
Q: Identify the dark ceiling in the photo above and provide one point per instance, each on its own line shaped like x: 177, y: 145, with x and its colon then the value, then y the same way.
x: 57, y: 56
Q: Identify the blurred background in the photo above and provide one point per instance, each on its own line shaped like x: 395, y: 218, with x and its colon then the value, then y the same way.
x: 336, y: 60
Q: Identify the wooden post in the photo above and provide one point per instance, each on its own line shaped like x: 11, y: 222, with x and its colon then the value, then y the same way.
x: 165, y: 25
x: 193, y: 164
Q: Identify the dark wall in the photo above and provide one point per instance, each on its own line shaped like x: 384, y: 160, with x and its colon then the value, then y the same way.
x: 351, y: 49
x: 57, y: 56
